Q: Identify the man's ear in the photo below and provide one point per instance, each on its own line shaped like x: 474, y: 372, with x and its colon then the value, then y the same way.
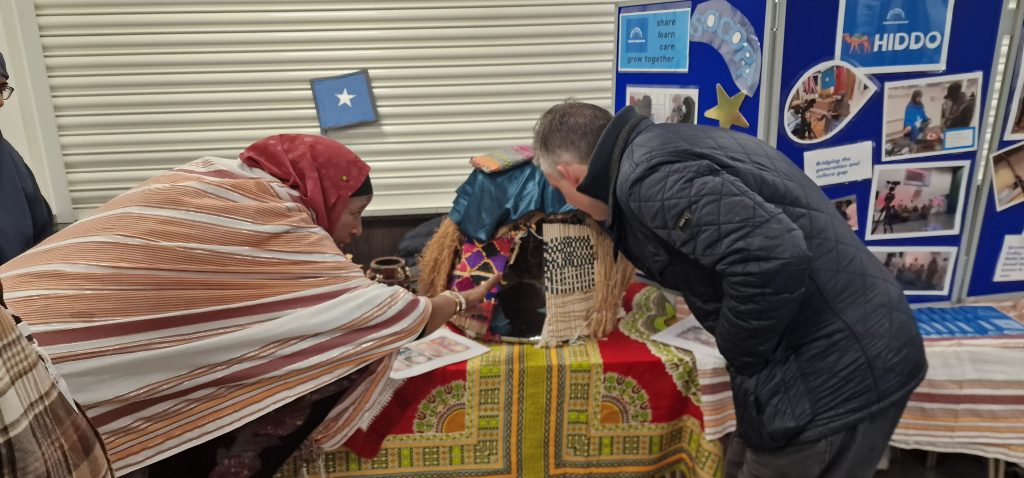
x: 570, y: 174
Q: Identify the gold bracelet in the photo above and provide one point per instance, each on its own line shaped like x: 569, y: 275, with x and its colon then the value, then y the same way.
x: 460, y: 301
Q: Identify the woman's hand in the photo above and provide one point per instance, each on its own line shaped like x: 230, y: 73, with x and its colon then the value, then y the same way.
x: 475, y: 296
x: 443, y: 307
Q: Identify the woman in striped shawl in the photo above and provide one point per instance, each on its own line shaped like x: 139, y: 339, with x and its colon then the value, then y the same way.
x: 208, y: 322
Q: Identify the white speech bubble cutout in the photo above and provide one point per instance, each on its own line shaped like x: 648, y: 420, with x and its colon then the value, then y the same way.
x: 864, y: 88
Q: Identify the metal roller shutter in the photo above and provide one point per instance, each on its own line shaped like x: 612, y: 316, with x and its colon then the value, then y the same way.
x: 142, y: 86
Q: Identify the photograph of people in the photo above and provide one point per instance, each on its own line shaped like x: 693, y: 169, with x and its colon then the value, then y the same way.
x: 1015, y: 119
x: 431, y: 349
x: 926, y: 117
x: 917, y: 200
x: 664, y: 104
x: 697, y: 335
x: 451, y: 345
x: 824, y: 99
x: 847, y: 209
x: 683, y: 110
x: 412, y: 357
x: 919, y: 270
x: 1008, y: 176
x: 1016, y: 127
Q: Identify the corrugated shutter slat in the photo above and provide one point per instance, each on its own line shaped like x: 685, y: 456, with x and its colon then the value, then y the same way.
x: 143, y: 86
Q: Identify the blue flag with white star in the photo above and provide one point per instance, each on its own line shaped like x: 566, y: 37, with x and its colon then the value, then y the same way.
x: 828, y: 78
x: 344, y: 100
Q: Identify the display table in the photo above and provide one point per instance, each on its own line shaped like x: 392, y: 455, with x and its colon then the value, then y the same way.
x: 971, y: 401
x: 599, y: 408
x: 629, y: 406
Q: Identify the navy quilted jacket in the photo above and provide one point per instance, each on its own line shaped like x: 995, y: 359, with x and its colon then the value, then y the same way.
x: 817, y: 334
x: 25, y: 217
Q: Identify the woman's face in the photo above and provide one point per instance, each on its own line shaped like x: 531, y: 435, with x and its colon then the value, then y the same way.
x: 350, y: 224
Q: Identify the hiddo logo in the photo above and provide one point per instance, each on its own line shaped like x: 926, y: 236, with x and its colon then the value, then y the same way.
x: 893, y: 41
x: 637, y: 28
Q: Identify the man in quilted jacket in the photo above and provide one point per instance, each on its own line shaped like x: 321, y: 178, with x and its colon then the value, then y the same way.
x: 822, y: 348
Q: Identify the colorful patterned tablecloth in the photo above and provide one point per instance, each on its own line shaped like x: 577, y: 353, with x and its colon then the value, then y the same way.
x: 607, y: 408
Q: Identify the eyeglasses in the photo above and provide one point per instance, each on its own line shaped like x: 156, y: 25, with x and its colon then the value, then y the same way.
x: 6, y: 92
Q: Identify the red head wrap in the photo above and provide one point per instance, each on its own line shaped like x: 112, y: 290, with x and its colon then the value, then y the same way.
x: 322, y: 170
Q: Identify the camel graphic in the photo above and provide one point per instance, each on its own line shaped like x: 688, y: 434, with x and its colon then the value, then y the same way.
x: 858, y: 43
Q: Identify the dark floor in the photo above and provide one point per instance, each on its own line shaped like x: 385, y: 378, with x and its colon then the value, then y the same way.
x: 911, y: 464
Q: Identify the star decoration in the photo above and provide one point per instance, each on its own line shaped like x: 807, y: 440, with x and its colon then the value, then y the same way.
x: 344, y: 98
x: 727, y: 111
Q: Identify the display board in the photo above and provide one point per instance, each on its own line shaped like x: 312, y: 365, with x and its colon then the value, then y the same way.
x: 882, y: 103
x: 998, y: 242
x: 698, y: 62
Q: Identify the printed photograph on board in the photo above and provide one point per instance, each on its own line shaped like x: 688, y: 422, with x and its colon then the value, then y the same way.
x: 664, y: 105
x: 847, y: 209
x: 1015, y: 119
x: 919, y: 270
x: 890, y: 36
x: 1008, y: 176
x: 931, y: 116
x: 824, y: 99
x: 1015, y: 123
x: 917, y: 200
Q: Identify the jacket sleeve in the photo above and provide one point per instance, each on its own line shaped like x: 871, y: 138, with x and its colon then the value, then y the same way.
x: 39, y: 209
x: 759, y: 256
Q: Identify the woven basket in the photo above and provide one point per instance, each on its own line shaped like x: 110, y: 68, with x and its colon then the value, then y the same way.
x: 582, y: 281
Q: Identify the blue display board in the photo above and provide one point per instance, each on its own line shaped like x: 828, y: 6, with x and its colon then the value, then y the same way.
x: 671, y: 57
x: 1003, y: 215
x: 841, y: 56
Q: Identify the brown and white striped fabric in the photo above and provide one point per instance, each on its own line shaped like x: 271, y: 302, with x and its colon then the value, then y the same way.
x: 42, y: 434
x: 200, y: 300
x: 971, y: 401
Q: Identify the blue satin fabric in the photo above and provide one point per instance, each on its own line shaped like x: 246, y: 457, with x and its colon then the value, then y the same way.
x: 487, y: 201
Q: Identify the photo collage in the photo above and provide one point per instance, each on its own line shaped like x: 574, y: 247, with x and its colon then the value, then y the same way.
x: 925, y: 112
x: 440, y: 348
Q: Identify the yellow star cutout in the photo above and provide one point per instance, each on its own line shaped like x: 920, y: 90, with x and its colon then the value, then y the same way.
x: 727, y: 111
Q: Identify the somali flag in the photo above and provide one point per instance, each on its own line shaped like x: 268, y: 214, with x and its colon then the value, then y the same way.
x: 344, y: 100
x: 828, y: 78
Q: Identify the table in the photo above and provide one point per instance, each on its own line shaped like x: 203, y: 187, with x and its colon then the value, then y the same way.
x: 971, y: 400
x: 628, y: 406
x: 606, y: 407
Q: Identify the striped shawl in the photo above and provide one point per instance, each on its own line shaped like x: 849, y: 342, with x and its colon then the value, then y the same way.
x: 200, y: 300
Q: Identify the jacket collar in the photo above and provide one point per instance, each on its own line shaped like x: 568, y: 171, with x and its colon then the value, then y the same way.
x: 603, y: 169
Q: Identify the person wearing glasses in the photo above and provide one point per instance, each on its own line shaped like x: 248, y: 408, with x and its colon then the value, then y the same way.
x: 43, y: 433
x: 25, y: 218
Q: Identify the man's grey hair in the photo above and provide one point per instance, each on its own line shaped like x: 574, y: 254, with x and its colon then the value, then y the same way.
x: 568, y: 133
